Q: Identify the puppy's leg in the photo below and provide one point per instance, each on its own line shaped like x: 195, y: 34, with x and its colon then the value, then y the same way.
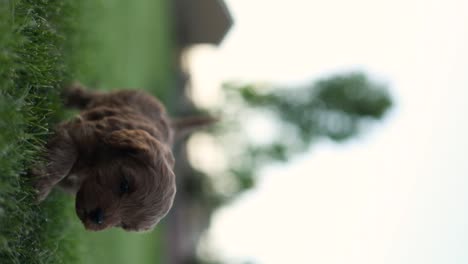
x: 61, y: 155
x: 77, y: 96
x: 70, y: 184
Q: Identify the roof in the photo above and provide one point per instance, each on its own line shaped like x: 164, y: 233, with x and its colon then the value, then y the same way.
x: 202, y: 21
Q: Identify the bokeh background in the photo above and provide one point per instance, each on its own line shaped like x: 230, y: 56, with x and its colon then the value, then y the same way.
x: 342, y: 132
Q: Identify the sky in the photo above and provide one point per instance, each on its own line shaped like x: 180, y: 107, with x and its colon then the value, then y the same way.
x: 397, y: 193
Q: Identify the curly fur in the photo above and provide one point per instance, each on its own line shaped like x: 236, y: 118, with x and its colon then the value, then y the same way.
x: 116, y: 157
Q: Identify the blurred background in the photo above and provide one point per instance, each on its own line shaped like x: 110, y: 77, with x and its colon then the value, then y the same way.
x: 342, y: 136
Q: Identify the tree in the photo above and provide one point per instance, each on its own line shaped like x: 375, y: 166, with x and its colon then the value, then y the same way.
x: 337, y: 108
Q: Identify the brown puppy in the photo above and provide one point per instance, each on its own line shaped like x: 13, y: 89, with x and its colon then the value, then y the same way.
x: 116, y: 157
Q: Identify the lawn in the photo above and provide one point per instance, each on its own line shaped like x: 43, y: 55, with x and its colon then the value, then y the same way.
x: 44, y: 44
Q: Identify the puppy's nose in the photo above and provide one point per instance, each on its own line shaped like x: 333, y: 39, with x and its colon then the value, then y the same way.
x: 97, y: 216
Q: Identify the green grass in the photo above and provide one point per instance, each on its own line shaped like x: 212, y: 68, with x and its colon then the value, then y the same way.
x: 32, y: 70
x: 124, y: 44
x: 43, y: 44
x: 117, y: 246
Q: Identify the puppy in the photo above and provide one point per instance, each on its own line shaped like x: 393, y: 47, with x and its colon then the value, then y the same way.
x: 116, y: 157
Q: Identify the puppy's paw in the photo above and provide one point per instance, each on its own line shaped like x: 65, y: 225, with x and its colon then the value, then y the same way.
x: 41, y: 185
x: 42, y: 191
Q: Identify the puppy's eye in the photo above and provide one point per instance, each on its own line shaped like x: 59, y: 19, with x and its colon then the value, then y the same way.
x: 124, y: 188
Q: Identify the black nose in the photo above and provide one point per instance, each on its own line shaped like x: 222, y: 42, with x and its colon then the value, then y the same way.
x: 97, y: 216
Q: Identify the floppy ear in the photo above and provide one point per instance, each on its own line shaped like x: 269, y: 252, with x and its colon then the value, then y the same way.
x: 137, y: 140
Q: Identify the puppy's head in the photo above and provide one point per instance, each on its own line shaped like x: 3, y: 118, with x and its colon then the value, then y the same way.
x: 130, y: 184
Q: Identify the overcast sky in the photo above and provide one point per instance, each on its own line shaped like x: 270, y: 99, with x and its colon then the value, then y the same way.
x: 397, y: 194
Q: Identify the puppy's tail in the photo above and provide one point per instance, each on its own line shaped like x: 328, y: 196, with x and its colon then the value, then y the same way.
x: 184, y: 126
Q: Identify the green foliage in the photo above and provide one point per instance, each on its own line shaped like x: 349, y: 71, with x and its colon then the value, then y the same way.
x: 337, y: 108
x: 332, y: 107
x: 32, y: 69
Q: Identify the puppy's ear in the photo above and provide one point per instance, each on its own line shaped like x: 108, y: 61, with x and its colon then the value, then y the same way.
x: 138, y: 141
